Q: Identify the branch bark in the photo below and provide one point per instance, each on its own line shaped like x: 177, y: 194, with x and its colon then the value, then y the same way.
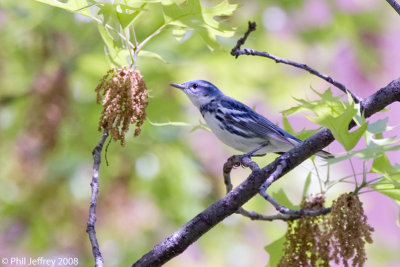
x: 230, y: 203
x: 395, y: 5
x: 90, y: 229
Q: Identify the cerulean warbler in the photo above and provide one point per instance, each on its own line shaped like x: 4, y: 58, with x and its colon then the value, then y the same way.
x: 237, y: 125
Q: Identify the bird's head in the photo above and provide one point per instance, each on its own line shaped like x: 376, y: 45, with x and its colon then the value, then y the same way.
x: 199, y: 92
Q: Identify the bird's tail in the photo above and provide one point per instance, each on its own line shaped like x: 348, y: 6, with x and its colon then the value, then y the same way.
x: 325, y: 155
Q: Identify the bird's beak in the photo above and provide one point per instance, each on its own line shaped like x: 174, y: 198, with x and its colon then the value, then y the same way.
x: 178, y: 85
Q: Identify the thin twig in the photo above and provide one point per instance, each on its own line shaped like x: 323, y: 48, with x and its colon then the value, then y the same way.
x: 155, y: 33
x: 128, y: 47
x: 294, y: 213
x: 395, y: 5
x: 328, y: 173
x: 236, y: 161
x: 285, y: 214
x: 305, y: 67
x: 93, y: 200
x: 276, y: 174
x: 135, y: 54
x: 252, y: 27
x: 99, y: 21
x: 318, y: 176
x: 354, y: 172
x: 280, y: 216
x: 236, y: 51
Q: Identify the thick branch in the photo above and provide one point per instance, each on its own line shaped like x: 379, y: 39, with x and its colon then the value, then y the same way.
x: 230, y: 203
x: 93, y: 200
x: 395, y: 5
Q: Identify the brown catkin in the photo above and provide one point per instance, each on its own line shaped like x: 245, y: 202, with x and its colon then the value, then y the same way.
x: 124, y: 97
x: 304, y: 245
x: 339, y: 236
x: 349, y: 230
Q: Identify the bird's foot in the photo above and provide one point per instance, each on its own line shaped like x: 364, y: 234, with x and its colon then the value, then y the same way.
x: 245, y: 159
x: 250, y: 154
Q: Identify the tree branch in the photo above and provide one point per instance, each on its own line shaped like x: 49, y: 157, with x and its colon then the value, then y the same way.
x: 286, y: 214
x: 395, y: 5
x: 155, y: 33
x: 236, y: 51
x: 294, y: 213
x: 93, y: 200
x: 283, y: 217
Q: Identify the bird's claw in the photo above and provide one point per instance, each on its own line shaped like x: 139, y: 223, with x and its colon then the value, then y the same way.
x: 245, y: 159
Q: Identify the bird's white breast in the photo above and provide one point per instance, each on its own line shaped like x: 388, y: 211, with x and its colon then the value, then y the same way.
x: 241, y: 143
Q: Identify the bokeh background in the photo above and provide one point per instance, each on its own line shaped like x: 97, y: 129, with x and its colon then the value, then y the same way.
x: 50, y: 63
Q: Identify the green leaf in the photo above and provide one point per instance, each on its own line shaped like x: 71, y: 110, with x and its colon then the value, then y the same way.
x: 144, y: 53
x: 379, y: 126
x: 388, y: 188
x: 389, y: 185
x: 76, y: 6
x: 125, y: 19
x: 275, y: 251
x: 178, y: 33
x: 116, y: 55
x: 381, y: 164
x: 124, y: 14
x: 373, y: 150
x: 306, y: 185
x: 192, y: 15
x: 328, y: 104
x: 302, y: 135
x: 286, y: 125
x: 336, y: 116
x: 282, y: 199
x: 339, y: 127
x: 169, y: 2
x: 108, y: 12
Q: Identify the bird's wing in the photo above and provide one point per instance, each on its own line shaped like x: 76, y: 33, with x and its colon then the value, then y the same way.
x: 245, y: 118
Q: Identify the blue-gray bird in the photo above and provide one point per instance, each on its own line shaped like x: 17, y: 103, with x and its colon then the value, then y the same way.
x: 237, y: 125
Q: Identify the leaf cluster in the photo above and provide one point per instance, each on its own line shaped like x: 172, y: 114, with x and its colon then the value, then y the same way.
x: 117, y: 21
x: 331, y: 112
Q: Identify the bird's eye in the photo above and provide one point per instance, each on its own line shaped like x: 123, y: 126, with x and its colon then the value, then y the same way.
x: 195, y: 85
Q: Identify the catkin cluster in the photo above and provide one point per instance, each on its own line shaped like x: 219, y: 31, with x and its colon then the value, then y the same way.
x: 306, y: 243
x: 339, y: 236
x: 124, y: 97
x: 349, y: 230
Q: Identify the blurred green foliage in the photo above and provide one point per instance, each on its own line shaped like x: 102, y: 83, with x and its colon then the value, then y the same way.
x: 51, y: 61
